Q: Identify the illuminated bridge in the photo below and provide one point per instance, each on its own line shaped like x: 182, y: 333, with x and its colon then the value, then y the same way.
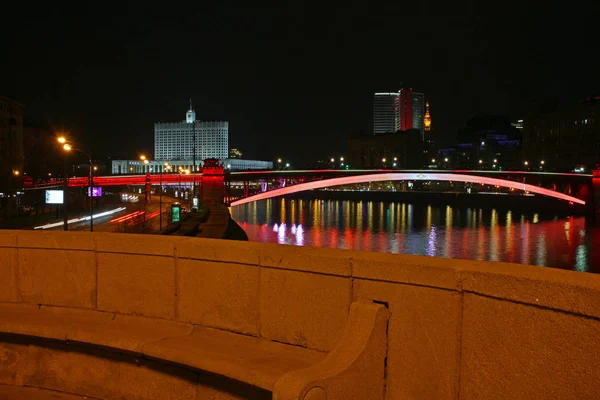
x: 259, y: 185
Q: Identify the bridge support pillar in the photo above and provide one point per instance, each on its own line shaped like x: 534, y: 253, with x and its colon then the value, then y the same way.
x: 246, y: 191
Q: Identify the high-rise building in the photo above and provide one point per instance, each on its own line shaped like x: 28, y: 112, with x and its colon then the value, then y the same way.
x: 174, y: 140
x: 395, y: 111
x: 418, y: 103
x: 386, y: 112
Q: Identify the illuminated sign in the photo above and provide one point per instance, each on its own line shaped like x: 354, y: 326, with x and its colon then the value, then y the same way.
x: 54, y: 197
x: 96, y: 192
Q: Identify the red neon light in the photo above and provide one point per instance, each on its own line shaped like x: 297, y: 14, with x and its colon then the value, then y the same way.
x: 127, y: 217
x: 402, y: 176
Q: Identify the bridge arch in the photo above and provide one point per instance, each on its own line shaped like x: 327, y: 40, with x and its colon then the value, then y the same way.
x: 405, y: 176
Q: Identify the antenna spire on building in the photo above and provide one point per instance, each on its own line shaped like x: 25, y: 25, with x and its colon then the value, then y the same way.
x: 191, y: 109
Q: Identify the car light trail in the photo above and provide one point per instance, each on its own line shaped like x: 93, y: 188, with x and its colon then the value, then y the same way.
x: 127, y: 217
x: 71, y: 221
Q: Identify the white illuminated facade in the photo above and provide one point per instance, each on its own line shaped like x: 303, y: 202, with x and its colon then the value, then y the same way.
x: 174, y: 140
x: 134, y: 167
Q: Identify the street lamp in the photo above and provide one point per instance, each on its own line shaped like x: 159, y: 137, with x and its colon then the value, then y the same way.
x: 433, y: 160
x: 480, y: 161
x: 341, y: 158
x: 542, y: 162
x: 168, y: 168
x: 16, y: 172
x: 446, y: 159
x: 495, y: 160
x: 526, y: 163
x: 69, y: 147
x: 332, y: 159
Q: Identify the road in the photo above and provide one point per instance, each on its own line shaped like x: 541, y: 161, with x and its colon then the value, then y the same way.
x: 118, y: 218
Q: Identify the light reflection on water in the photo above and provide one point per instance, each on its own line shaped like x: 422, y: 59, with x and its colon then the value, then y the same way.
x: 562, y: 242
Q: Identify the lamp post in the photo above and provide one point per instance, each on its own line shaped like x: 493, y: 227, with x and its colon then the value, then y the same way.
x: 168, y: 168
x: 68, y: 147
x: 62, y: 140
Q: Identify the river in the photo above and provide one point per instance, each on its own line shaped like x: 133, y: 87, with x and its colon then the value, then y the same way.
x: 441, y: 231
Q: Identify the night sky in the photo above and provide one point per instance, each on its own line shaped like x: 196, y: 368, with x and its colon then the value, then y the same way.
x: 296, y: 80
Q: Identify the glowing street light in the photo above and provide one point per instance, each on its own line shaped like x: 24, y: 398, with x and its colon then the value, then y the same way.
x: 279, y: 160
x: 395, y: 158
x: 433, y: 160
x: 495, y: 160
x: 542, y: 162
x: 287, y: 165
x: 480, y: 161
x: 383, y: 160
x: 16, y: 172
x: 341, y: 158
x: 142, y: 157
x: 68, y: 147
x: 526, y: 163
x: 332, y: 159
x: 446, y: 159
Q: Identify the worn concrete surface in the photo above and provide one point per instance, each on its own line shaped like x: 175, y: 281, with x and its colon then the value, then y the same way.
x: 457, y: 328
x: 33, y: 393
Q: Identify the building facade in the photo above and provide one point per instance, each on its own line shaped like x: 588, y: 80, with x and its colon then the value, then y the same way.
x: 175, y: 140
x: 401, y: 150
x: 386, y: 116
x: 418, y: 119
x: 398, y: 111
x: 11, y: 143
x: 124, y: 167
x: 235, y: 153
x: 564, y: 139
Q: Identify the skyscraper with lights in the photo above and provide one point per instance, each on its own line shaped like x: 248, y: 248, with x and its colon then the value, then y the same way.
x: 398, y: 111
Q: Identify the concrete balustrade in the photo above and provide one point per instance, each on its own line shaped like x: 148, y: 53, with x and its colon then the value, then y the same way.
x: 143, y: 317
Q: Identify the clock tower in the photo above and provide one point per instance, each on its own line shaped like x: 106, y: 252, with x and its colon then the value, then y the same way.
x: 190, y: 116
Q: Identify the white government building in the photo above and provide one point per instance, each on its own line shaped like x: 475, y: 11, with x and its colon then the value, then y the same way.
x: 173, y: 144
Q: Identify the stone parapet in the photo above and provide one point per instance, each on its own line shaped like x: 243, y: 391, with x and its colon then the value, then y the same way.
x: 456, y: 328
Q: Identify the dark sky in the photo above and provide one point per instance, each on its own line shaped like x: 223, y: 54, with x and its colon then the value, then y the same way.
x: 294, y: 80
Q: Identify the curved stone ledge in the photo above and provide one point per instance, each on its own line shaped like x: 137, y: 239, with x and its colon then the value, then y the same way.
x: 476, y: 328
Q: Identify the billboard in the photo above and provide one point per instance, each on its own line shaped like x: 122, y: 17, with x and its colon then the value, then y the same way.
x: 96, y: 191
x: 54, y: 197
x: 175, y: 213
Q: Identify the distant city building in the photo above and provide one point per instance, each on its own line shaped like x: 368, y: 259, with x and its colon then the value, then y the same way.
x: 123, y: 167
x: 174, y: 140
x: 386, y: 107
x: 427, y: 119
x: 487, y: 142
x: 418, y: 103
x: 564, y: 139
x: 402, y: 150
x: 235, y: 153
x: 398, y: 111
x: 11, y: 144
x: 518, y: 124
